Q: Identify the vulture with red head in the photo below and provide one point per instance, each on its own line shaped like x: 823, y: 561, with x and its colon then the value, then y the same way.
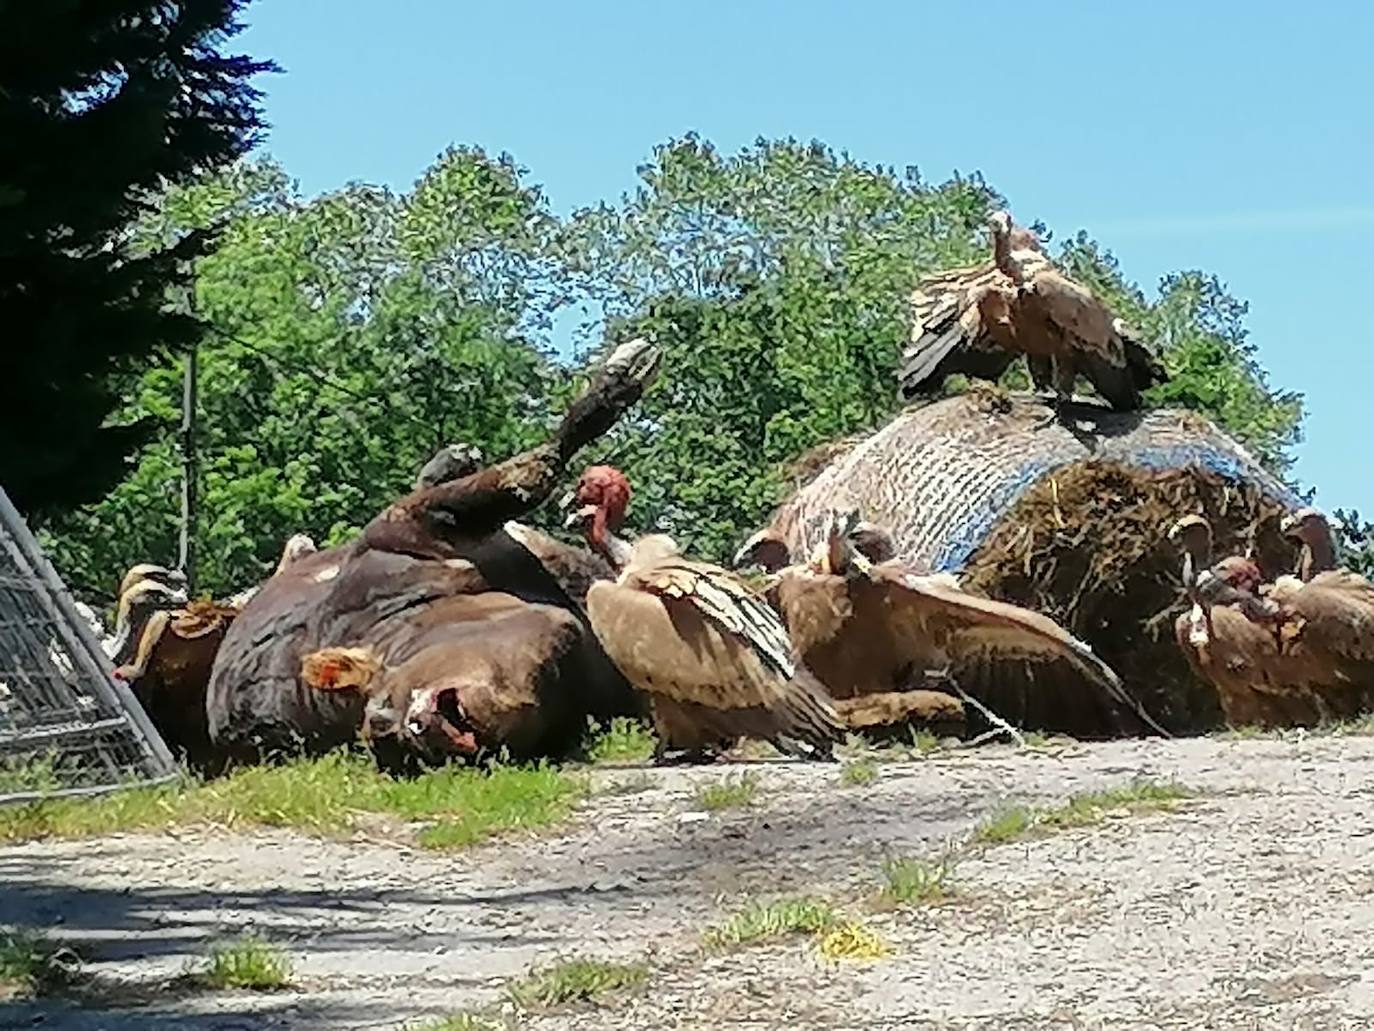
x: 977, y: 320
x: 448, y: 539
x: 867, y: 628
x: 1330, y: 612
x: 1233, y: 637
x: 708, y: 651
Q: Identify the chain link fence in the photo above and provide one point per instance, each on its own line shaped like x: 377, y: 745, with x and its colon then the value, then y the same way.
x: 66, y: 726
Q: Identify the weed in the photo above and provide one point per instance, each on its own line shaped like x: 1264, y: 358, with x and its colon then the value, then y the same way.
x: 911, y: 881
x: 765, y: 921
x: 859, y: 772
x: 36, y: 774
x: 457, y: 1022
x: 1004, y: 825
x: 248, y: 962
x: 729, y: 792
x: 852, y: 940
x: 575, y: 980
x: 322, y: 795
x: 1081, y: 810
x: 31, y: 963
x: 623, y: 740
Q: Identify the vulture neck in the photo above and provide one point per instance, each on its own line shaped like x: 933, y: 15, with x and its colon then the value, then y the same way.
x: 602, y: 540
x: 1001, y: 253
x: 1318, y: 556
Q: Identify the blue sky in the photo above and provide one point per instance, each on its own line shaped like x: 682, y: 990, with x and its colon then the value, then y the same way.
x: 1232, y: 137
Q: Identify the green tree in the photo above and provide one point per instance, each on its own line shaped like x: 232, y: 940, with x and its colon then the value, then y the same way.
x: 350, y: 337
x: 100, y: 104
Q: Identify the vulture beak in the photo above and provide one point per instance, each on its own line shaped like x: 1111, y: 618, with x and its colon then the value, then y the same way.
x: 579, y: 517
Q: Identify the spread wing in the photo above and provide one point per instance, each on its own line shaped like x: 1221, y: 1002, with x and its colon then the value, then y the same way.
x: 982, y: 640
x: 1117, y: 363
x: 691, y: 633
x: 961, y: 323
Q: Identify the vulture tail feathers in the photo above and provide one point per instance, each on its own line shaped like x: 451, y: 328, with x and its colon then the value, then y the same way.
x: 807, y: 716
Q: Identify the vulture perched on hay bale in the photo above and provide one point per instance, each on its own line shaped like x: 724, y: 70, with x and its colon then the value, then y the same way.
x: 1329, y: 614
x: 709, y: 651
x: 1065, y: 522
x: 976, y: 321
x: 1232, y: 637
x: 454, y: 538
x: 872, y: 629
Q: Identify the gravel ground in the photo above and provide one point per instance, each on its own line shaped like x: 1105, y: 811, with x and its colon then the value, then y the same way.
x: 1250, y: 906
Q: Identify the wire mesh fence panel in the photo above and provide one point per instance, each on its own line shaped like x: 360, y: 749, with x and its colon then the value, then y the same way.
x: 66, y: 726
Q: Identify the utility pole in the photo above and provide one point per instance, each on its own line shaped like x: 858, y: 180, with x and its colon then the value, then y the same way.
x: 187, y: 552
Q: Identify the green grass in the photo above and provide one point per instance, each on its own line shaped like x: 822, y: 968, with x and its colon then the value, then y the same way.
x: 456, y: 1022
x: 575, y: 980
x: 912, y: 881
x: 1004, y: 825
x: 1081, y: 810
x: 31, y: 963
x: 859, y: 772
x: 767, y: 921
x: 248, y: 962
x: 38, y: 773
x: 729, y: 792
x: 320, y: 796
x: 624, y: 740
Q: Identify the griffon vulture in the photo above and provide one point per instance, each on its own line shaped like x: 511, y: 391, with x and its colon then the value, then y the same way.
x: 709, y: 652
x: 976, y: 321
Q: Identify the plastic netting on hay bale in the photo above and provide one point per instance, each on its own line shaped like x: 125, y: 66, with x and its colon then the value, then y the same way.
x: 1069, y: 522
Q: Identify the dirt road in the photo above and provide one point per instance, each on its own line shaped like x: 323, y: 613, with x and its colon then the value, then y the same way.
x: 1250, y: 906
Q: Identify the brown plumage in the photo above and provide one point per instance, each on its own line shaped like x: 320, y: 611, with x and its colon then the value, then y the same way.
x: 709, y: 651
x: 1330, y: 612
x: 449, y: 539
x: 1232, y: 637
x: 895, y: 714
x: 867, y: 629
x: 976, y: 321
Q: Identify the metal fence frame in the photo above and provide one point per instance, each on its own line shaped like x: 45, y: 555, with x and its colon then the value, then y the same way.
x: 116, y: 702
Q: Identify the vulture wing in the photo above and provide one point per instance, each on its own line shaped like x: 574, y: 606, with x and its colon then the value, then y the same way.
x: 978, y: 634
x: 691, y: 633
x: 961, y: 323
x: 1337, y: 610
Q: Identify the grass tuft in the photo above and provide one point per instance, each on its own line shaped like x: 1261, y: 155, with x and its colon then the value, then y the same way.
x: 575, y: 980
x: 729, y: 792
x: 249, y: 963
x: 37, y: 773
x: 32, y: 964
x: 456, y: 1022
x: 859, y: 772
x: 1081, y: 810
x: 854, y: 941
x: 766, y: 921
x: 320, y: 796
x: 911, y: 881
x: 623, y: 740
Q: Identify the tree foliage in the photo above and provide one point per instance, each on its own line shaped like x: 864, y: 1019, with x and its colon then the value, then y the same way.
x: 355, y: 332
x: 352, y: 336
x: 100, y: 105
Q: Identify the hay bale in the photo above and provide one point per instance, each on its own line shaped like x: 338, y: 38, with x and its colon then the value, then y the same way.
x: 1068, y: 522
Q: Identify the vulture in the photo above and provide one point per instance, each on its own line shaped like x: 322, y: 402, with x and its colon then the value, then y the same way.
x: 1233, y: 638
x: 867, y: 628
x: 976, y: 320
x: 171, y: 650
x: 447, y: 538
x: 1329, y: 614
x: 709, y: 652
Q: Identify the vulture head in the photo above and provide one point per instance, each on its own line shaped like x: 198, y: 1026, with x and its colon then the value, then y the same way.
x: 137, y: 604
x: 1000, y: 223
x: 766, y: 549
x: 298, y: 545
x: 598, y: 503
x: 837, y: 553
x: 173, y: 579
x: 1308, y: 525
x: 1240, y: 573
x: 451, y: 462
